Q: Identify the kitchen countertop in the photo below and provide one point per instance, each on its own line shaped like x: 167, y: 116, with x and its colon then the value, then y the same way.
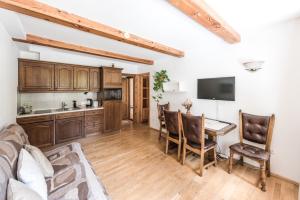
x: 55, y: 111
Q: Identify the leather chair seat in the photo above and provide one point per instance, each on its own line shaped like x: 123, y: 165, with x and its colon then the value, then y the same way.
x: 250, y: 151
x: 208, y: 144
x: 173, y: 135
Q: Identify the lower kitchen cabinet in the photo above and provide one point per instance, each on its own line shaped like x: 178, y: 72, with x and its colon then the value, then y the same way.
x: 47, y: 130
x: 69, y: 129
x: 94, y: 122
x: 40, y: 133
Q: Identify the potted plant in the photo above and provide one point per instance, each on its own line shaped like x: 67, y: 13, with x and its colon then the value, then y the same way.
x: 160, y: 78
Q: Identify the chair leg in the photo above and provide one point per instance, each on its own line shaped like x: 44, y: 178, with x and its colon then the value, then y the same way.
x: 263, y: 175
x: 179, y: 151
x: 230, y: 162
x: 160, y: 131
x: 242, y: 160
x: 167, y: 145
x: 269, y: 168
x: 215, y: 156
x: 183, y: 152
x: 201, y: 164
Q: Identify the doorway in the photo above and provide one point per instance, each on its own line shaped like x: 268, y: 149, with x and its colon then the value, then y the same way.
x: 135, y: 98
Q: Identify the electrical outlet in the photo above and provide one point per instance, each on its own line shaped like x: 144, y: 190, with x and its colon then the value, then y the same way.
x: 272, y: 152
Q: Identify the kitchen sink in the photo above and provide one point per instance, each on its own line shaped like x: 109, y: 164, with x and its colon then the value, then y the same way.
x: 42, y: 111
x: 65, y: 109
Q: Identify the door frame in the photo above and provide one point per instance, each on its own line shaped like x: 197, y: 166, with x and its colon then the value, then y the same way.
x: 129, y: 102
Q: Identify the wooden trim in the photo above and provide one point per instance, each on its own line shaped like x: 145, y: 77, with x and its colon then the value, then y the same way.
x: 204, y: 15
x: 32, y: 39
x: 45, y: 12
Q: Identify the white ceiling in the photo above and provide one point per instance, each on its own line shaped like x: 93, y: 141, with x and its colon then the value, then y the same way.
x: 156, y: 20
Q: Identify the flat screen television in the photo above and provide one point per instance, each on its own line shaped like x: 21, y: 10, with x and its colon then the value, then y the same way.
x: 216, y: 88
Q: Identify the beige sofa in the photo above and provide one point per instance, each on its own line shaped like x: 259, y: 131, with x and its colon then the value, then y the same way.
x: 73, y: 176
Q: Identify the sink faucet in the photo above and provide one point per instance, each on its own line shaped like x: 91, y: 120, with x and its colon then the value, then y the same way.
x: 63, y: 105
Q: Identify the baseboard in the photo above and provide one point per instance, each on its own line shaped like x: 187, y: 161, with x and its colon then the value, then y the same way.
x: 285, y: 179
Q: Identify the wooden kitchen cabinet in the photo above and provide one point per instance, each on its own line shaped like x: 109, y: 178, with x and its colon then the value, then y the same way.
x: 94, y: 79
x: 63, y: 77
x: 69, y: 126
x: 111, y: 77
x: 35, y: 76
x: 94, y: 120
x: 81, y: 78
x: 40, y: 130
x: 112, y: 115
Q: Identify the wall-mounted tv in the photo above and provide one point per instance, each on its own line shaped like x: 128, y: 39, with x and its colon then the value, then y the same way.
x: 216, y: 88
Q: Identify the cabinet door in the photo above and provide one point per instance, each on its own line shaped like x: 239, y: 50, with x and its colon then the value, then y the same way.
x: 117, y: 115
x: 108, y: 115
x: 40, y: 134
x: 36, y: 76
x: 112, y: 78
x: 68, y: 129
x: 63, y: 77
x: 94, y: 79
x: 81, y: 78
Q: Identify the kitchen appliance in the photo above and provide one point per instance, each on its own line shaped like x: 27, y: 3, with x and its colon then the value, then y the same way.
x: 74, y: 104
x: 96, y: 103
x: 89, y: 103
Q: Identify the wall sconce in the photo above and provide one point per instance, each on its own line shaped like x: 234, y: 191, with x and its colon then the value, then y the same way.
x: 253, y: 65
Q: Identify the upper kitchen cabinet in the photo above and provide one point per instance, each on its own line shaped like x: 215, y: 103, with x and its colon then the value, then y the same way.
x: 35, y: 76
x: 63, y: 77
x: 94, y: 79
x: 81, y: 78
x: 111, y: 77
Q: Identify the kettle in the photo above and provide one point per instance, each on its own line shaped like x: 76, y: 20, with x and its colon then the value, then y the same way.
x: 89, y: 103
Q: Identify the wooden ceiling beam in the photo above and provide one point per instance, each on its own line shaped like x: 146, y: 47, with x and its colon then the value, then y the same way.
x: 204, y: 15
x: 43, y: 11
x: 32, y: 39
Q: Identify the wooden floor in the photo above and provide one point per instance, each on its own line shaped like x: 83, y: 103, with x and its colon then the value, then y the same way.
x: 132, y: 165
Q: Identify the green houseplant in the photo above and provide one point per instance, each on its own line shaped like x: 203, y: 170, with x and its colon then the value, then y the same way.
x: 160, y: 78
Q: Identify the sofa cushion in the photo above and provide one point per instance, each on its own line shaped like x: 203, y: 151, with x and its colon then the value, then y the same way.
x: 17, y: 190
x: 9, y: 152
x: 70, y: 165
x: 29, y: 173
x: 41, y: 160
x: 15, y: 133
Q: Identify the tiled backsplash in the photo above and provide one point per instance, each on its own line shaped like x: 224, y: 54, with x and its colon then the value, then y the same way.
x: 53, y: 100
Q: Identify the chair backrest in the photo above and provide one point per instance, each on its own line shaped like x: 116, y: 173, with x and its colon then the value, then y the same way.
x: 161, y: 108
x: 257, y: 129
x: 172, y: 121
x: 193, y: 128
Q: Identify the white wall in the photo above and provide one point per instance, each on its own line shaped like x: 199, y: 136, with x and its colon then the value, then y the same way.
x: 273, y: 89
x: 8, y: 78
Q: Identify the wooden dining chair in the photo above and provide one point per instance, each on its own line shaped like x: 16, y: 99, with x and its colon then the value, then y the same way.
x: 194, y: 140
x: 161, y: 118
x: 173, y: 130
x: 259, y: 130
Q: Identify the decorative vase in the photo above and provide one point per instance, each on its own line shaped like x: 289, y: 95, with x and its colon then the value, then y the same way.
x: 187, y: 104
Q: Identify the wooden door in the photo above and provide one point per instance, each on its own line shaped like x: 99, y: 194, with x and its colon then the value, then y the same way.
x: 108, y: 115
x: 81, y: 78
x: 125, y: 99
x: 63, y: 77
x: 94, y: 79
x: 40, y: 134
x: 141, y: 98
x: 36, y: 76
x: 69, y: 129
